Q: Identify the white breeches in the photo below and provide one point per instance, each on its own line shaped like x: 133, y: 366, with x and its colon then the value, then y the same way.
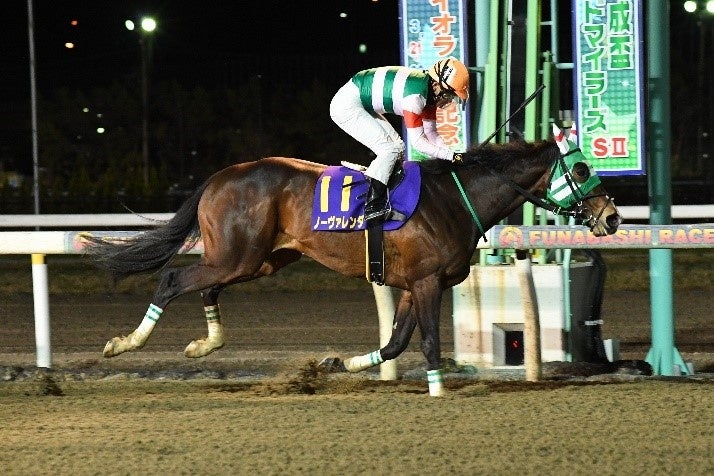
x: 374, y: 131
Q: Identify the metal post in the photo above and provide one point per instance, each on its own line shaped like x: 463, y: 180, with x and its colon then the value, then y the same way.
x: 531, y: 84
x: 483, y: 55
x: 40, y: 290
x: 663, y: 355
x: 489, y: 104
x: 531, y: 317
x: 33, y: 107
x: 145, y: 108
x: 385, y: 311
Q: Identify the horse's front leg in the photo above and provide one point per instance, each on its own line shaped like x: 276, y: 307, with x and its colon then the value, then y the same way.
x: 427, y: 306
x: 402, y: 330
x: 214, y: 340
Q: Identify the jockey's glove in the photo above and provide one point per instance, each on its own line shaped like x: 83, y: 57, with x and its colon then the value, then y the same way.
x: 457, y: 158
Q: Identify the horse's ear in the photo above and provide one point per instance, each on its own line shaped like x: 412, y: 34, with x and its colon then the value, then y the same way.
x: 559, y: 136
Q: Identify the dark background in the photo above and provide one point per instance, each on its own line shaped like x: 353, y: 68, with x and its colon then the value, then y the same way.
x: 233, y: 81
x: 209, y: 43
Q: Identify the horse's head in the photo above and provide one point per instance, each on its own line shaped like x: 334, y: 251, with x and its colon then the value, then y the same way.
x: 576, y: 189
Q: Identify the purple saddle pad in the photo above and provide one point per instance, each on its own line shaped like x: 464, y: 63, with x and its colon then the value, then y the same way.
x: 340, y: 194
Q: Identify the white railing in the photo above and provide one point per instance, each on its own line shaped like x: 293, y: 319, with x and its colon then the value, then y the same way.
x: 120, y: 220
x: 109, y: 220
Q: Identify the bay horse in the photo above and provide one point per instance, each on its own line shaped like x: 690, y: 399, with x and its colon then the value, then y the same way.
x: 255, y: 218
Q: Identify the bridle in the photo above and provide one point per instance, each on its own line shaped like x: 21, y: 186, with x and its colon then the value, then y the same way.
x: 568, y: 197
x: 570, y: 201
x: 574, y: 205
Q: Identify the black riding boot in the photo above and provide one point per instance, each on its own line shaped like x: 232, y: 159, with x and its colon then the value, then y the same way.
x: 376, y: 206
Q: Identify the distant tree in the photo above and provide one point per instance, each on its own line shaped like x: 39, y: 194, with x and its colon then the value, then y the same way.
x: 90, y: 142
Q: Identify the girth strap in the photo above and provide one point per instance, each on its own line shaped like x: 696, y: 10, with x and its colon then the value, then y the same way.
x: 375, y: 252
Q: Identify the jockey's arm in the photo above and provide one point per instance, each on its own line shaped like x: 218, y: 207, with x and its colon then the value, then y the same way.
x: 432, y: 134
x: 420, y: 122
x: 421, y: 141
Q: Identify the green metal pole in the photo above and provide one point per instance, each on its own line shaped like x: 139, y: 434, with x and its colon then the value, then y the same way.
x: 484, y: 95
x: 546, y: 107
x: 532, y: 56
x: 491, y: 73
x: 663, y: 355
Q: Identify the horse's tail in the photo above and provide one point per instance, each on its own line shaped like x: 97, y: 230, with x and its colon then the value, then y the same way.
x: 150, y: 251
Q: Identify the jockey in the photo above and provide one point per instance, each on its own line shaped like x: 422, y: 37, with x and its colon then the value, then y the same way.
x: 414, y: 94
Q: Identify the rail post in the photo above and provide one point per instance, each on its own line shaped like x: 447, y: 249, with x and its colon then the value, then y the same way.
x: 531, y: 320
x: 385, y: 310
x: 42, y: 310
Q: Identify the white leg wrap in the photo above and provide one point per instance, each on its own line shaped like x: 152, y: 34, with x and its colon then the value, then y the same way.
x: 436, y: 383
x: 150, y: 319
x: 136, y: 339
x: 214, y: 341
x: 215, y: 330
x: 362, y: 362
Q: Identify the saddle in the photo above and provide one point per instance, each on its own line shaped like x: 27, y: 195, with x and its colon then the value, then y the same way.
x: 338, y: 205
x: 395, y: 179
x: 374, y: 234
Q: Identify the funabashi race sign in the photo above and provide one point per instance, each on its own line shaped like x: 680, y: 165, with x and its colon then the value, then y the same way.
x: 627, y: 236
x: 432, y: 30
x: 609, y: 84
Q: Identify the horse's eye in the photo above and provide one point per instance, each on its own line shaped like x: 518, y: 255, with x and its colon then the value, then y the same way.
x: 581, y: 172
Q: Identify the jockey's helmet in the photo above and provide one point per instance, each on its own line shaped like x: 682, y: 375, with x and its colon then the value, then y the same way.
x: 452, y: 75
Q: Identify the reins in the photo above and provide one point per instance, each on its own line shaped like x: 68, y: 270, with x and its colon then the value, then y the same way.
x: 575, y: 211
x: 469, y: 206
x: 534, y: 199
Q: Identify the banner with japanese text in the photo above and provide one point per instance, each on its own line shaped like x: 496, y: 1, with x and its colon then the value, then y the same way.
x: 432, y: 30
x: 609, y: 84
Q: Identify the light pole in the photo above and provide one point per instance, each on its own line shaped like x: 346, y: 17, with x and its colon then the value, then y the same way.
x: 148, y: 25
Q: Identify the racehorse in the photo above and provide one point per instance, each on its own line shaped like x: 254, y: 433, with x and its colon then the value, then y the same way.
x: 255, y: 218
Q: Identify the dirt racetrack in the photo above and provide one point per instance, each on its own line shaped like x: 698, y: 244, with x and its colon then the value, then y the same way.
x: 316, y: 322
x: 259, y: 406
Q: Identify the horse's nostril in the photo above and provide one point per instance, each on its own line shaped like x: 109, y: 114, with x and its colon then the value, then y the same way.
x: 614, y: 220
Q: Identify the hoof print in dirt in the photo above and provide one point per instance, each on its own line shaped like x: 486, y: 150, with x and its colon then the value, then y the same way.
x: 332, y: 365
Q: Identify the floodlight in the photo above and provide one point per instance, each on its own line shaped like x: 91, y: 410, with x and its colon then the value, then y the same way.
x: 148, y: 24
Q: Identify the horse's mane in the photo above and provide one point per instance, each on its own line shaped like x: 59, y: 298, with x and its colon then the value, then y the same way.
x: 496, y: 157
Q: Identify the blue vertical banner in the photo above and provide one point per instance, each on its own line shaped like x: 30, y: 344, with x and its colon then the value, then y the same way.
x: 609, y: 84
x: 432, y: 30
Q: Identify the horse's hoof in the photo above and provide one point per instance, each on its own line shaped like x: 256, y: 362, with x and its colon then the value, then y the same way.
x: 332, y: 365
x: 119, y: 345
x: 111, y: 349
x: 201, y: 348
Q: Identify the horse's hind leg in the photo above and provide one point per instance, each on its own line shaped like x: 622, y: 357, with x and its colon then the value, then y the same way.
x: 214, y: 340
x: 174, y: 282
x: 136, y: 339
x: 402, y: 330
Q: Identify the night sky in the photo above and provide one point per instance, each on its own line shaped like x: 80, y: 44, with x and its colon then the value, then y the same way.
x: 195, y: 40
x: 214, y: 43
x: 208, y: 41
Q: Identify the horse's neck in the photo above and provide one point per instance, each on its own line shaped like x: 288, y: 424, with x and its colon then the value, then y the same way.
x: 506, y: 198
